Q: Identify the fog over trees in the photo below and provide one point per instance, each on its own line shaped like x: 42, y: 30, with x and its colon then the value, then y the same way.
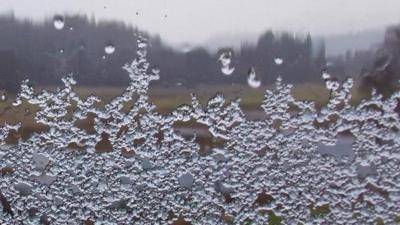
x: 44, y: 54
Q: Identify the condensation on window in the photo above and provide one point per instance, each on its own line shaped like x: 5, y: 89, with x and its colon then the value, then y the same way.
x: 295, y: 166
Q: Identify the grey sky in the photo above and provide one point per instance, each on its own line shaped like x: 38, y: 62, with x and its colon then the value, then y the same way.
x: 195, y: 21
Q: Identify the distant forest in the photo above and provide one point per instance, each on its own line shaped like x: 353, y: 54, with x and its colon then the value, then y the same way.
x: 44, y: 54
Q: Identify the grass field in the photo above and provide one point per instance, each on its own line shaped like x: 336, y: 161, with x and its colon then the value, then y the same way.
x: 167, y: 99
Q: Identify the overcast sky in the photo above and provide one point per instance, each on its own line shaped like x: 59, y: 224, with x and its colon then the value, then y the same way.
x: 193, y: 21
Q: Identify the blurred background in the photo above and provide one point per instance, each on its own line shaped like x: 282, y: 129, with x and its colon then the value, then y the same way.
x: 234, y: 47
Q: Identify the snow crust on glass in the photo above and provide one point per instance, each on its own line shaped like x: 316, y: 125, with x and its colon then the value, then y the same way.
x: 266, y: 170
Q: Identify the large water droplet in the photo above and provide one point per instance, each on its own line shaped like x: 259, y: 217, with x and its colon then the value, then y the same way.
x: 59, y: 22
x: 278, y: 61
x: 227, y: 70
x: 325, y: 75
x: 155, y: 70
x: 109, y: 48
x: 252, y: 79
x: 3, y: 97
x: 225, y: 59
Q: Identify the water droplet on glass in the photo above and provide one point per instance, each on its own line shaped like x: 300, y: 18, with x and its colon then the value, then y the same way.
x: 146, y: 171
x: 278, y: 61
x: 227, y: 70
x: 109, y: 49
x: 225, y: 59
x: 325, y: 75
x: 59, y: 22
x: 252, y: 79
x: 3, y: 97
x: 155, y: 70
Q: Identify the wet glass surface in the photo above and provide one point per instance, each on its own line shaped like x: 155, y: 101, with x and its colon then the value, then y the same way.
x: 114, y: 126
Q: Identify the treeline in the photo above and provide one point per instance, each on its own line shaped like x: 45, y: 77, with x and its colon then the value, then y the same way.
x: 44, y: 54
x: 383, y: 72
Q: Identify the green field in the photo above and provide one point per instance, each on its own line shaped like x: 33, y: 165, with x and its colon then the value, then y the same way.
x: 167, y: 99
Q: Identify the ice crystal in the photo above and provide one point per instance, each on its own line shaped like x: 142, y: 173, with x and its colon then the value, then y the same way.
x: 135, y: 168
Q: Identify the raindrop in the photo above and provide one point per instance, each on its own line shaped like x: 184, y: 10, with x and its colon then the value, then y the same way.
x: 3, y: 97
x: 278, y: 61
x: 252, y: 79
x: 325, y: 75
x: 227, y: 70
x: 110, y: 48
x: 59, y: 22
x: 226, y: 58
x: 155, y: 70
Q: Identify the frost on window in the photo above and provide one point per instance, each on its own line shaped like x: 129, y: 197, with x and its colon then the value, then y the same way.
x: 133, y: 168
